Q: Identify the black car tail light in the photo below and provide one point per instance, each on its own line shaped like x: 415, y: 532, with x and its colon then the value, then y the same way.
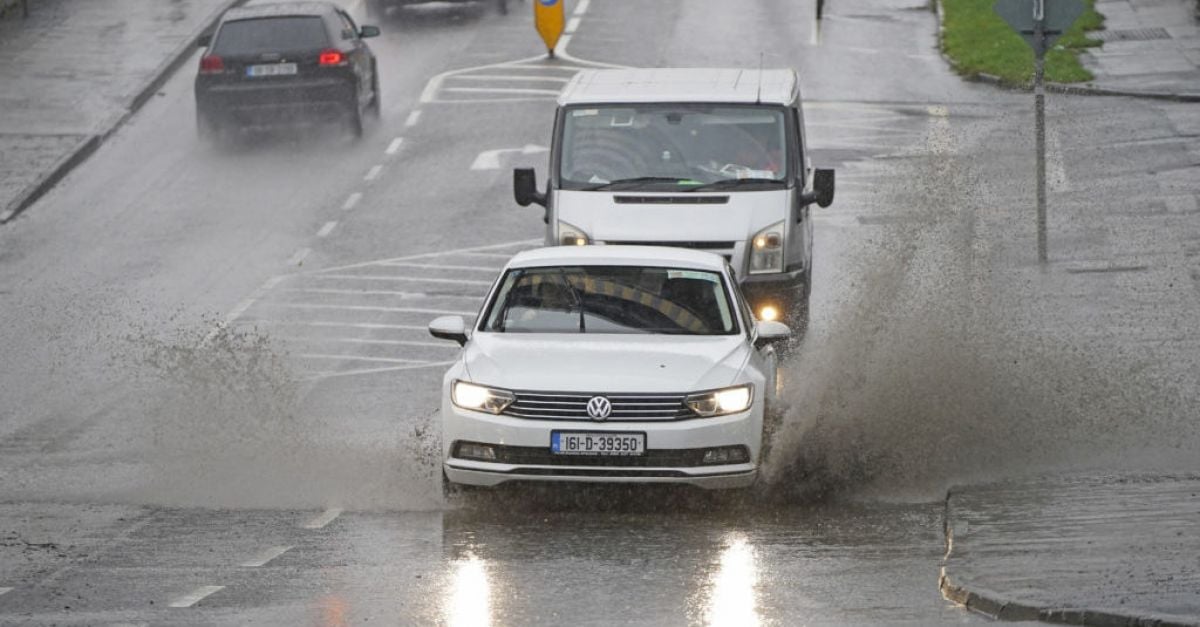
x: 331, y: 57
x: 211, y: 64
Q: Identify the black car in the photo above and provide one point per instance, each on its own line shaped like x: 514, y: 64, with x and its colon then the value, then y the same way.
x: 286, y: 64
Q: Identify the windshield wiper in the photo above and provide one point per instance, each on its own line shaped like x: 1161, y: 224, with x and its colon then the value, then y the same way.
x: 722, y: 184
x: 575, y: 297
x: 634, y: 181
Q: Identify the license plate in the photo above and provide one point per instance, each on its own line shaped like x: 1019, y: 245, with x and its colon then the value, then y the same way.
x: 597, y: 443
x: 271, y: 69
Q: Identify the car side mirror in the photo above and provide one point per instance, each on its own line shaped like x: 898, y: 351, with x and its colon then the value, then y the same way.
x: 525, y: 190
x: 203, y: 41
x: 449, y: 328
x: 366, y: 31
x: 822, y: 192
x: 771, y: 331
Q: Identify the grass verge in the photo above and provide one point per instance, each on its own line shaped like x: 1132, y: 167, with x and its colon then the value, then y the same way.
x: 979, y: 42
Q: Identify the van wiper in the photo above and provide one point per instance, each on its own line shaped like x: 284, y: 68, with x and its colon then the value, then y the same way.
x: 575, y: 297
x: 727, y: 183
x: 634, y: 181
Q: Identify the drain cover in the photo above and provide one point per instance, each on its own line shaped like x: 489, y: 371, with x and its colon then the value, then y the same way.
x: 1134, y: 34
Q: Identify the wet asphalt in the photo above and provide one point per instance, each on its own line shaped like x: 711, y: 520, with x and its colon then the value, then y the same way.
x: 284, y: 471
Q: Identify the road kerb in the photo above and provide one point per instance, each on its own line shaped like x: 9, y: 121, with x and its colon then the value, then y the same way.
x: 81, y: 152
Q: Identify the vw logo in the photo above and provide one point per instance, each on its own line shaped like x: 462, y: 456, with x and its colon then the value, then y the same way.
x: 599, y: 408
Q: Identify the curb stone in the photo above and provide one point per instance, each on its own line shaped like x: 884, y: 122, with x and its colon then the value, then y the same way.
x: 994, y: 605
x: 90, y: 143
x: 1058, y: 88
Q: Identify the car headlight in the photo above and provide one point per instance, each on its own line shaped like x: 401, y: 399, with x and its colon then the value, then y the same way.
x: 570, y: 235
x: 480, y: 398
x: 766, y: 250
x: 720, y: 402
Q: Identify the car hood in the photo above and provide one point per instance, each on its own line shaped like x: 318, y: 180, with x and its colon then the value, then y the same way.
x: 599, y: 215
x: 605, y: 362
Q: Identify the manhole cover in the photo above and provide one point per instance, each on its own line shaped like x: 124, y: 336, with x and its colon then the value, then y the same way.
x: 1134, y: 34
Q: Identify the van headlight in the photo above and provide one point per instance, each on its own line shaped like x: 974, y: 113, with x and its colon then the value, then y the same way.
x: 721, y: 402
x: 766, y: 250
x: 571, y: 235
x: 480, y: 398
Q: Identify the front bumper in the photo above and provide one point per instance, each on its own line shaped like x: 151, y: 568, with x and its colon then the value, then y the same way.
x: 670, y: 456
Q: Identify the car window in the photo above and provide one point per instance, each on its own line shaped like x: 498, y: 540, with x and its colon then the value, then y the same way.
x: 611, y: 299
x: 349, y: 30
x: 271, y: 34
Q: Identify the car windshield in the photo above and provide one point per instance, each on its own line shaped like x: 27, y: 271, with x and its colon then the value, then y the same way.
x: 271, y: 34
x: 673, y: 147
x: 611, y: 299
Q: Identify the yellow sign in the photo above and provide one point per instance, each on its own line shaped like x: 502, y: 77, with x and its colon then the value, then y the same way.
x: 549, y: 20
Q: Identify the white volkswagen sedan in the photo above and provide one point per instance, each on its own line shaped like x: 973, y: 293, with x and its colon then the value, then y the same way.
x: 609, y: 364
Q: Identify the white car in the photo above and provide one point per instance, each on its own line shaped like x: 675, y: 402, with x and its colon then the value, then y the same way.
x: 609, y: 364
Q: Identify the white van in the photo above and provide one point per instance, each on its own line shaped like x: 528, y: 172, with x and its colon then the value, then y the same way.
x: 707, y: 159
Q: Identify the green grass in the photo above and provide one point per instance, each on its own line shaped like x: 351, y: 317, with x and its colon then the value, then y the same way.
x: 979, y: 42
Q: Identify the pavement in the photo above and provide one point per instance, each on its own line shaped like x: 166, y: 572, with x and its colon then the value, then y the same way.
x: 73, y: 71
x: 1055, y: 549
x: 1150, y: 47
x: 284, y: 473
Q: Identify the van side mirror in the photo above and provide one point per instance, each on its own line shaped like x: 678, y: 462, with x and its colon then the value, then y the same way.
x: 366, y: 31
x: 771, y: 331
x: 822, y: 192
x: 525, y: 190
x: 203, y: 41
x: 449, y: 328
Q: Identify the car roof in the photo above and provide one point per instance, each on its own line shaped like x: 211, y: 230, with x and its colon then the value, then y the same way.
x: 674, y: 85
x: 279, y: 9
x: 650, y: 256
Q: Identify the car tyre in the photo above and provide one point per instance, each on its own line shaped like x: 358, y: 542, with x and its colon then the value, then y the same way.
x: 376, y: 106
x: 354, y: 118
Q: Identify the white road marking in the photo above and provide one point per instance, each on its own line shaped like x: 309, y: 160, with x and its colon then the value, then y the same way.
x: 237, y: 312
x: 384, y: 360
x: 420, y: 310
x: 351, y: 325
x: 373, y: 173
x: 413, y: 118
x: 394, y: 147
x: 323, y: 519
x: 351, y: 373
x: 4, y: 591
x: 377, y: 277
x: 327, y: 229
x: 299, y: 256
x: 1056, y: 170
x: 429, y: 94
x: 522, y: 244
x: 401, y: 294
x: 490, y: 159
x: 356, y: 340
x: 582, y: 7
x: 265, y: 556
x: 438, y: 266
x: 503, y: 90
x: 511, y: 77
x: 195, y: 596
x: 573, y: 24
x: 352, y: 201
x: 491, y: 255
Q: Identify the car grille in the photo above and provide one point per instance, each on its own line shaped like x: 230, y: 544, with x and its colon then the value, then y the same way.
x: 573, y: 406
x: 541, y: 456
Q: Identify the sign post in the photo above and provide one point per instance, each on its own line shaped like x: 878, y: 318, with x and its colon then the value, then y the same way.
x: 1040, y: 23
x: 548, y: 18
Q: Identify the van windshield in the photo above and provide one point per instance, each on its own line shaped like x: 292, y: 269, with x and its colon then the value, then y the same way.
x: 673, y: 147
x: 611, y: 299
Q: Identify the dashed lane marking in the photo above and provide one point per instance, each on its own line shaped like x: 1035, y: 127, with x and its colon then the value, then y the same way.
x: 373, y: 173
x: 573, y: 24
x: 439, y: 266
x: 352, y: 201
x: 195, y: 596
x: 394, y: 147
x: 265, y: 556
x: 582, y: 7
x: 413, y: 118
x: 4, y: 591
x: 327, y: 228
x: 323, y: 519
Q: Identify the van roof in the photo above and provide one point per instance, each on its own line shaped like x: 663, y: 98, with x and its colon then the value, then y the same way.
x: 649, y: 256
x: 732, y: 86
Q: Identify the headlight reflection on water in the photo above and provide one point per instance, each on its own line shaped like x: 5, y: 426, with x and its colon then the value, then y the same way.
x: 731, y: 598
x: 469, y: 602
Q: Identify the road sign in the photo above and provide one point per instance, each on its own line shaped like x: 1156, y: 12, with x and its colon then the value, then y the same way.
x: 1022, y: 15
x: 549, y: 20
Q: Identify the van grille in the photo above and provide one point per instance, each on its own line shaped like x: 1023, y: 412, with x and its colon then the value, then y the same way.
x: 573, y: 406
x: 692, y: 245
x: 690, y: 199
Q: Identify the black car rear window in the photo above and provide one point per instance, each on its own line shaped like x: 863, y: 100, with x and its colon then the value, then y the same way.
x: 271, y: 34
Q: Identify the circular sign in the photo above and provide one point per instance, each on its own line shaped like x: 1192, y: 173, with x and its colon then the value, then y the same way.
x: 599, y: 408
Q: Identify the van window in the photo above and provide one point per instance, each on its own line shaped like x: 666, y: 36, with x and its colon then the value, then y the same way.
x: 674, y: 147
